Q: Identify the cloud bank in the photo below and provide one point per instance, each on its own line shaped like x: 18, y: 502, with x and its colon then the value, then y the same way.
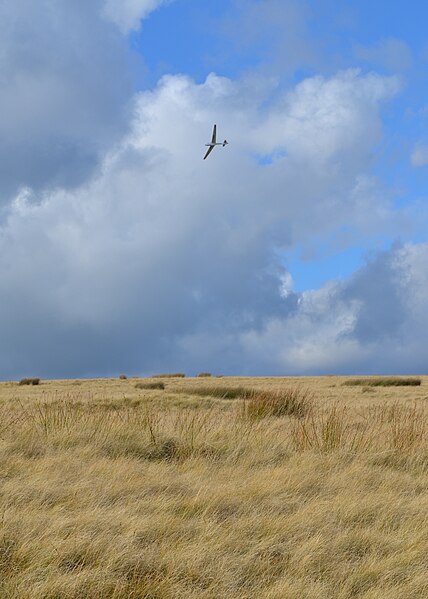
x: 159, y: 260
x: 66, y: 81
x: 122, y: 250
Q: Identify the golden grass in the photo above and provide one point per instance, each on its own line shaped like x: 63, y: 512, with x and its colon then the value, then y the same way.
x: 289, y: 401
x: 108, y: 491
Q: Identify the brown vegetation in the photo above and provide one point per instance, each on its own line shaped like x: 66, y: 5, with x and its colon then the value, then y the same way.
x: 288, y: 401
x: 384, y: 382
x: 221, y: 392
x: 150, y: 385
x: 29, y: 381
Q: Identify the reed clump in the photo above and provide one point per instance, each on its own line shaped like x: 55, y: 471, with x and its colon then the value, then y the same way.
x: 380, y: 428
x: 289, y: 401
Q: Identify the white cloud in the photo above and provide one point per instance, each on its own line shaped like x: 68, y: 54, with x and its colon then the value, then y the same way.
x: 127, y: 14
x: 163, y: 260
x: 419, y: 156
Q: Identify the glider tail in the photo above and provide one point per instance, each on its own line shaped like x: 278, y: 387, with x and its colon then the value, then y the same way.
x: 225, y: 143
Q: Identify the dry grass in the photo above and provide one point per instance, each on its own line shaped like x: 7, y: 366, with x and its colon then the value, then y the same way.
x: 289, y: 401
x: 108, y: 491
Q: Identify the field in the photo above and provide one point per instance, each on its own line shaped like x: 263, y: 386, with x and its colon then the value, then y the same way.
x: 211, y: 488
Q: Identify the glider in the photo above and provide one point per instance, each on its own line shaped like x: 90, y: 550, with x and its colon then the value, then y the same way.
x: 213, y: 143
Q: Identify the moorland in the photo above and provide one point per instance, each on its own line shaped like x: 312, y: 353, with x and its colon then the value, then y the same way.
x: 214, y: 487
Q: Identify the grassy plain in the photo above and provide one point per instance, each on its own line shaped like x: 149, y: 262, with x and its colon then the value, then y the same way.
x: 109, y: 491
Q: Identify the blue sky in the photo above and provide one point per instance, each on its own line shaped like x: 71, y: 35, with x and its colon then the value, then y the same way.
x: 389, y: 38
x: 300, y: 248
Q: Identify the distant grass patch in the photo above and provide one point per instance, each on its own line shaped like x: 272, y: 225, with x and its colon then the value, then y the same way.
x: 204, y: 374
x: 259, y: 403
x: 291, y: 401
x: 220, y: 392
x: 384, y: 382
x: 30, y: 381
x: 153, y: 385
x: 173, y: 375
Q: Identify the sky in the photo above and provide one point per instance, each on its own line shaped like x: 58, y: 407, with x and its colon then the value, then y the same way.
x: 301, y: 248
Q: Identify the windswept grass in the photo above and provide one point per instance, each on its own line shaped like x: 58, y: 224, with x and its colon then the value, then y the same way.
x: 381, y: 428
x: 384, y: 382
x: 106, y: 496
x: 289, y: 401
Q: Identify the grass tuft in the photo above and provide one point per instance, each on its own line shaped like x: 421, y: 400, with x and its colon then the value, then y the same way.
x: 204, y: 374
x: 384, y: 382
x: 152, y: 385
x: 30, y: 381
x: 291, y: 401
x: 325, y: 432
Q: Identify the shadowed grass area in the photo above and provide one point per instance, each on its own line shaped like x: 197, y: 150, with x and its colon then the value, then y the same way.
x: 150, y: 385
x: 384, y: 382
x: 220, y: 392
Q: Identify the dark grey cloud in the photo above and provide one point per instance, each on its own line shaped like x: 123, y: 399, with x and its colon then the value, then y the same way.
x: 373, y: 323
x: 65, y: 82
x: 378, y: 288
